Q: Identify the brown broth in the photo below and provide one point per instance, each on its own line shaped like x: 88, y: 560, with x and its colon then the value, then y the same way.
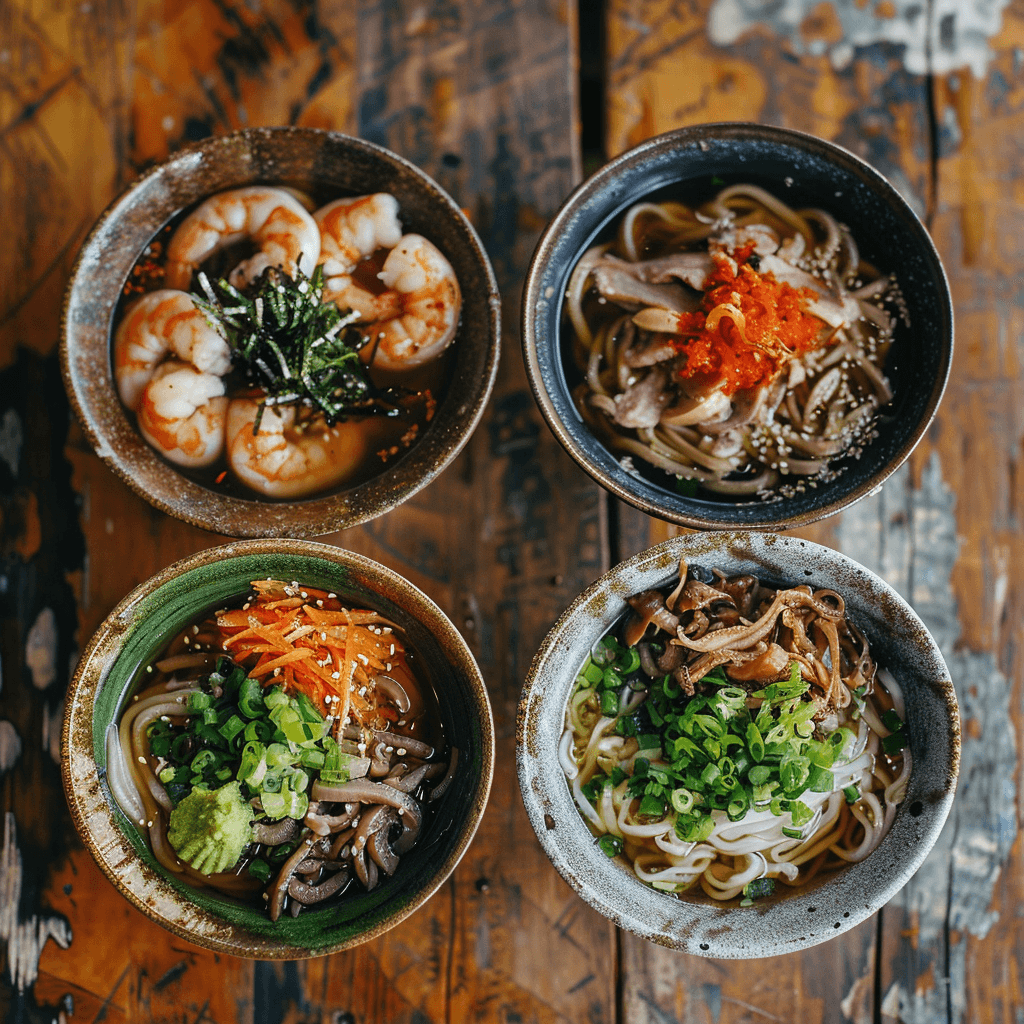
x: 386, y: 438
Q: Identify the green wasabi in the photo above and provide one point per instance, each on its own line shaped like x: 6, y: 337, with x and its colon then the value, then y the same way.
x: 209, y: 829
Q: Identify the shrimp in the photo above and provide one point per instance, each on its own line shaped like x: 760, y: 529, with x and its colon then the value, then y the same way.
x: 156, y: 325
x: 286, y: 459
x: 181, y: 414
x: 350, y: 230
x: 286, y: 234
x: 420, y: 309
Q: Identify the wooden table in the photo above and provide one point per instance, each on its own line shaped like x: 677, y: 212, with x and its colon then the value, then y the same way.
x: 484, y: 95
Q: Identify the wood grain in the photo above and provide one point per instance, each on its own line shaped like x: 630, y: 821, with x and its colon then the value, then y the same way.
x: 463, y: 90
x: 666, y: 70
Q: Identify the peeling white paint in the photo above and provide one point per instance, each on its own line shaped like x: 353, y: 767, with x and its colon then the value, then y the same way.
x: 909, y: 538
x: 25, y: 939
x: 956, y: 34
x: 10, y: 745
x: 41, y: 649
x: 12, y: 438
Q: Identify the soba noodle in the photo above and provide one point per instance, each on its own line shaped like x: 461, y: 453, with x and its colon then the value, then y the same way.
x: 738, y: 346
x: 729, y: 736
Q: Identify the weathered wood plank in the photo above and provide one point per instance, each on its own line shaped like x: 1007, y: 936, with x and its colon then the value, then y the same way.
x: 87, y: 97
x: 956, y: 952
x: 832, y: 70
x: 509, y: 534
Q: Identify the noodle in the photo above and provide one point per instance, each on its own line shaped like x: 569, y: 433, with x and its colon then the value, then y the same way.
x: 756, y: 326
x: 729, y: 735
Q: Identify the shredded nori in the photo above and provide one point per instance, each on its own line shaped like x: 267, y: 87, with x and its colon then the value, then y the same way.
x: 293, y: 346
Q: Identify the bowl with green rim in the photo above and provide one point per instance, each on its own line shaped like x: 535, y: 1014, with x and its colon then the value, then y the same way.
x: 140, y: 627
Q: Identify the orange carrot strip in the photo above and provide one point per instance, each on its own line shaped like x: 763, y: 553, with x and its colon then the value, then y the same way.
x: 299, y: 654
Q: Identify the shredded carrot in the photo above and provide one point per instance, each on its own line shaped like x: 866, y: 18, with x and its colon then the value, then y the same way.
x: 303, y: 639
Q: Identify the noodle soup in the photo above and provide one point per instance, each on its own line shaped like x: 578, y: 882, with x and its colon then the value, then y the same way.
x: 283, y: 752
x: 274, y: 345
x: 729, y: 737
x: 732, y: 349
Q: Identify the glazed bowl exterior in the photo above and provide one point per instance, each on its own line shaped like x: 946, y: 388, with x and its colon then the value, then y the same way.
x: 828, y: 905
x: 325, y: 163
x: 802, y: 171
x: 141, y: 625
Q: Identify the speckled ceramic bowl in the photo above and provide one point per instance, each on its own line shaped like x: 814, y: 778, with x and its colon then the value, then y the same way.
x: 144, y: 622
x: 328, y: 164
x: 801, y: 170
x: 831, y: 903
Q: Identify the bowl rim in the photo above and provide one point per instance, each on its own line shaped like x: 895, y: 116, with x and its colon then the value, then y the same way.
x: 241, y: 517
x: 534, y: 299
x: 702, y: 928
x: 90, y: 805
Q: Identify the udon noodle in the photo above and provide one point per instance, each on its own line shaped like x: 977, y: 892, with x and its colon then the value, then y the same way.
x: 738, y: 346
x: 321, y: 721
x: 730, y: 735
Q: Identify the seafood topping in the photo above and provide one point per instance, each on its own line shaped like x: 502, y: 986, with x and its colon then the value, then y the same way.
x: 303, y: 368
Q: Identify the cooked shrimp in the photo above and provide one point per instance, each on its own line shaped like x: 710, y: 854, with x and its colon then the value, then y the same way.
x: 286, y: 459
x: 420, y: 309
x: 350, y: 230
x: 156, y: 325
x: 181, y: 414
x: 287, y: 236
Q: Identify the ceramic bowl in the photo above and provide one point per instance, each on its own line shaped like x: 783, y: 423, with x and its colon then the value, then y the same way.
x: 142, y: 624
x: 327, y: 164
x: 802, y: 171
x: 829, y: 904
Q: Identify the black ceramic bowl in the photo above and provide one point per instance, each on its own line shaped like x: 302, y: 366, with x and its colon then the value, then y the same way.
x: 829, y: 904
x: 802, y: 171
x: 327, y: 165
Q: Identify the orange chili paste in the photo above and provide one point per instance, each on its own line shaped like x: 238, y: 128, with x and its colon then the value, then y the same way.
x: 775, y: 326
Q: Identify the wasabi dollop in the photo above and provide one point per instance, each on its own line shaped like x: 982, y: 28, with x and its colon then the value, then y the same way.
x: 209, y: 829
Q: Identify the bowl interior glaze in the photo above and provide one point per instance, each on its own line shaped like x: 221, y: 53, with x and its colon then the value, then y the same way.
x: 804, y: 916
x: 329, y: 164
x: 802, y: 171
x: 137, y: 630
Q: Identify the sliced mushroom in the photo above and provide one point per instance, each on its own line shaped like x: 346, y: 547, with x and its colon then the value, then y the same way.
x: 379, y: 843
x: 691, y: 268
x: 307, y: 894
x: 642, y: 403
x: 626, y: 290
x: 415, y: 747
x: 765, y: 668
x: 648, y: 606
x: 275, y: 833
x: 394, y: 691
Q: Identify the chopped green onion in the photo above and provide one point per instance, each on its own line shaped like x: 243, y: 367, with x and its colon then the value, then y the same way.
x: 852, y: 794
x: 260, y: 870
x: 892, y: 721
x: 759, y: 888
x: 610, y: 845
x: 895, y: 743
